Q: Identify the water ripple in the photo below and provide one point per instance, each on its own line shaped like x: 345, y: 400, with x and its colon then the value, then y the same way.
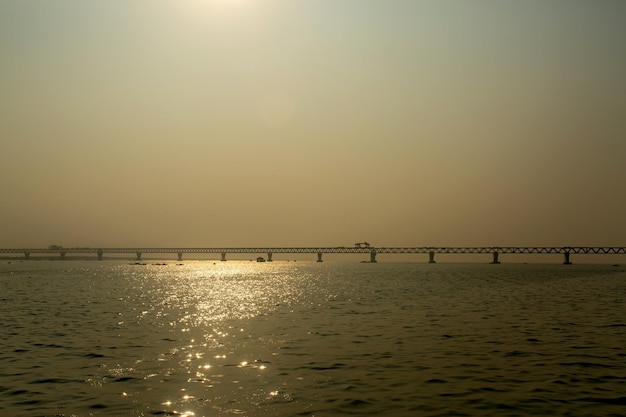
x: 238, y: 338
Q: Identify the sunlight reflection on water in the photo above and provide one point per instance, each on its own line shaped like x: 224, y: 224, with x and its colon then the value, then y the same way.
x: 204, y: 293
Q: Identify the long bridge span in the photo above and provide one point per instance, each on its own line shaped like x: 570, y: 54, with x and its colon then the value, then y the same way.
x: 495, y: 251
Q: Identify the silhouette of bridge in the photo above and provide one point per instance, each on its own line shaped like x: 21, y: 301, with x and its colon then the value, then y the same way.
x: 372, y: 251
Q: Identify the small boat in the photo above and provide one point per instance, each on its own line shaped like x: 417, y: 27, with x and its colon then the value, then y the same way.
x: 260, y: 259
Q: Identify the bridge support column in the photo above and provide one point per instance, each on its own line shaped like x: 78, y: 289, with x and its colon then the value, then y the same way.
x: 180, y: 256
x: 223, y: 256
x: 319, y: 257
x: 139, y: 256
x: 431, y: 257
x: 62, y: 255
x: 269, y: 256
x: 566, y: 261
x: 495, y: 258
x: 373, y: 256
x: 100, y: 253
x: 27, y: 255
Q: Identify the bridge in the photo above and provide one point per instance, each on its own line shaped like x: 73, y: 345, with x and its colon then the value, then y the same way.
x: 495, y: 252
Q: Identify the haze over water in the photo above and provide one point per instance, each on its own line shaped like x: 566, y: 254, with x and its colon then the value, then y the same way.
x: 110, y: 338
x: 210, y: 123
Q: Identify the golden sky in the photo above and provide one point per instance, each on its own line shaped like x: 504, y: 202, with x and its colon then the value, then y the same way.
x: 312, y: 122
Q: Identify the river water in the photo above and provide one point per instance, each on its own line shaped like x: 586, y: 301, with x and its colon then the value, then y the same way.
x: 204, y: 338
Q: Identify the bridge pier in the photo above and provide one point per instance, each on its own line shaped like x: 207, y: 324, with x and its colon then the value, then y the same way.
x: 180, y: 256
x: 431, y: 257
x: 62, y: 255
x: 319, y: 257
x: 27, y: 255
x: 223, y: 256
x: 100, y: 252
x: 373, y: 256
x: 269, y: 256
x: 139, y: 256
x: 566, y: 260
x: 495, y: 258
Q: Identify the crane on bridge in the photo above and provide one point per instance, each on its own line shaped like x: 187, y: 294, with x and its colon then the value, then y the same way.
x: 361, y: 245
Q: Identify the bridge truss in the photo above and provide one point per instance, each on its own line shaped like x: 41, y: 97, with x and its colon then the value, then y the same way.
x: 495, y: 251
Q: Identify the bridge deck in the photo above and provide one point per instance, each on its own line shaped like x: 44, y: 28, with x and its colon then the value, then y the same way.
x: 339, y: 249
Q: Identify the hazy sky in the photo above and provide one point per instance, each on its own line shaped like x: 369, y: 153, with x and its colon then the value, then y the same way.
x: 312, y: 122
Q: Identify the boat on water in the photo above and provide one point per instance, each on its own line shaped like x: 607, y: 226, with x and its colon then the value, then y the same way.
x: 260, y: 259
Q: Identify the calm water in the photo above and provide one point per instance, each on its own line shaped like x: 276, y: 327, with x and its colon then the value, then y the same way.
x: 89, y: 338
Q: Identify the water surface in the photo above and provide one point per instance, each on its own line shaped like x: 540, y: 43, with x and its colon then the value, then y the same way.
x: 109, y: 338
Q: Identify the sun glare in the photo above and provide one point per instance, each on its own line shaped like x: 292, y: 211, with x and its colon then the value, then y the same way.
x: 215, y: 4
x: 204, y: 14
